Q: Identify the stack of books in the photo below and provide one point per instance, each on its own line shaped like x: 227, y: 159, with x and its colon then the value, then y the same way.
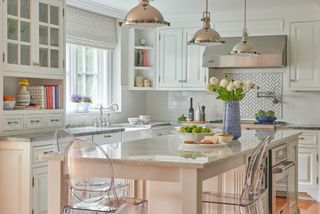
x: 46, y: 96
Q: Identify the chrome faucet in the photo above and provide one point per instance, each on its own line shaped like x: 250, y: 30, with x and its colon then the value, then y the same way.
x: 102, y: 121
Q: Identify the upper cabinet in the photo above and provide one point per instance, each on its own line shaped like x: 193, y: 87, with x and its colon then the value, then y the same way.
x: 170, y: 58
x: 305, y: 56
x: 33, y: 40
x: 193, y: 73
x: 180, y: 65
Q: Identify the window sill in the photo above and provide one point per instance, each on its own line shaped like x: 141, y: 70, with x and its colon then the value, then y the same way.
x: 92, y: 112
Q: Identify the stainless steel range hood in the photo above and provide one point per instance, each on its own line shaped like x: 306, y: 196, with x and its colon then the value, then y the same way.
x: 272, y: 49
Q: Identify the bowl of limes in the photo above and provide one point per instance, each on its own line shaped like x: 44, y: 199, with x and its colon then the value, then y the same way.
x: 193, y: 133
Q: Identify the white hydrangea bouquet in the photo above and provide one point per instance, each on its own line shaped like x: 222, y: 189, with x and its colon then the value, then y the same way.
x: 228, y: 89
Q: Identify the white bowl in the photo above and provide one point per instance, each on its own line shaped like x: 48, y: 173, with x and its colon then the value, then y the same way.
x: 134, y: 121
x: 9, y: 105
x: 196, y: 137
x: 145, y: 119
x: 225, y: 139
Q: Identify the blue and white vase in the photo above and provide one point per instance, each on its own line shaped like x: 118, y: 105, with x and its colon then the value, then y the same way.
x: 231, y: 120
x: 23, y: 98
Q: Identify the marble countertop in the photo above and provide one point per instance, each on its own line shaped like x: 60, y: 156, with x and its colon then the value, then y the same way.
x: 169, y: 151
x: 83, y: 131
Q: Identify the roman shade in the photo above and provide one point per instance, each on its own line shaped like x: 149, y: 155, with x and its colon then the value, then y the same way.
x: 90, y: 29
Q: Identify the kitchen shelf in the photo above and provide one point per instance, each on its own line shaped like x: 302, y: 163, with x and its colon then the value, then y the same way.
x: 33, y: 75
x: 143, y: 48
x: 143, y: 88
x: 143, y: 68
x: 32, y: 111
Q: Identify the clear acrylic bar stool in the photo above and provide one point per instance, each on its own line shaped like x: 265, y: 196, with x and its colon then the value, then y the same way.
x: 250, y: 200
x: 87, y: 194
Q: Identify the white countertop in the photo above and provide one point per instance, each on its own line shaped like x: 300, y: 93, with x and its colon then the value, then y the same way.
x: 169, y: 151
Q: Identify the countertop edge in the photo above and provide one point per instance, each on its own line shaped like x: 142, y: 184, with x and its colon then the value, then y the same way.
x: 169, y: 164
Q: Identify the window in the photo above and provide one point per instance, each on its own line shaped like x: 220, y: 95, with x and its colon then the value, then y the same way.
x: 89, y: 73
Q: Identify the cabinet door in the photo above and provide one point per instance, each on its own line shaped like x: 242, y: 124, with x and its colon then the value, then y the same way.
x: 194, y: 75
x: 170, y: 63
x: 305, y: 56
x: 18, y: 38
x: 14, y: 178
x: 40, y: 190
x: 307, y: 168
x: 49, y: 50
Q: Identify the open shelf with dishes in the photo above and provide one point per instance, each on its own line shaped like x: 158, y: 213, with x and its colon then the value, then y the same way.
x: 32, y: 105
x: 142, y: 59
x: 32, y: 94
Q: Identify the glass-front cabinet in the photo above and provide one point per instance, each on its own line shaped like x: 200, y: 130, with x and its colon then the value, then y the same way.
x: 18, y: 44
x: 34, y: 36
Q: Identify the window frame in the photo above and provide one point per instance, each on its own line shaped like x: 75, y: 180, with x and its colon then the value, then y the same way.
x: 104, y: 61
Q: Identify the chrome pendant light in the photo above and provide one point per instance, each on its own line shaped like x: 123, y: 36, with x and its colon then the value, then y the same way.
x: 244, y: 47
x: 144, y: 16
x: 206, y: 36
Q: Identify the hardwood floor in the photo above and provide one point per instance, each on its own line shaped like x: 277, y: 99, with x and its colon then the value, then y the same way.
x: 309, y: 207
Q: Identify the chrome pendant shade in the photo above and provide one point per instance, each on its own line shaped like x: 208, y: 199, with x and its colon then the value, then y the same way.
x: 244, y: 47
x: 206, y: 36
x: 144, y: 16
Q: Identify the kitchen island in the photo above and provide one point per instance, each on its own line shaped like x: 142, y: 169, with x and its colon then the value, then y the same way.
x: 164, y: 162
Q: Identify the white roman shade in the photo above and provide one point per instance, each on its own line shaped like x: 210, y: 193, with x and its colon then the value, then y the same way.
x: 90, y: 29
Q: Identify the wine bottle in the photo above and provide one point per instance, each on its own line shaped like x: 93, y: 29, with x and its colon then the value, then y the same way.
x: 191, y: 110
x: 203, y: 112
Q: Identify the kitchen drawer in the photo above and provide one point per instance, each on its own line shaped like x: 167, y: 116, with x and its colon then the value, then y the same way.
x: 13, y: 123
x: 107, y: 138
x: 159, y: 133
x: 41, y: 150
x: 34, y: 121
x: 308, y: 138
x: 55, y: 120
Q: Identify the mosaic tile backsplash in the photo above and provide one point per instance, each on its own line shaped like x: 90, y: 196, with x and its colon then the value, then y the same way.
x: 268, y: 82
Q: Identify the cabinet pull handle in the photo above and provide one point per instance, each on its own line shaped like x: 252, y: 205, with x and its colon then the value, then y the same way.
x: 107, y: 136
x: 14, y: 122
x: 54, y: 120
x: 49, y: 152
x: 182, y: 81
x: 160, y: 134
x: 35, y: 121
x: 301, y: 138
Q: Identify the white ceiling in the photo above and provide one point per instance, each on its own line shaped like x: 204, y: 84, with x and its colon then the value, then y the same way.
x: 192, y: 7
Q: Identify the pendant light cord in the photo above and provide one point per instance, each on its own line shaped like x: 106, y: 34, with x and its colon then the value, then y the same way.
x: 245, y: 15
x: 207, y: 6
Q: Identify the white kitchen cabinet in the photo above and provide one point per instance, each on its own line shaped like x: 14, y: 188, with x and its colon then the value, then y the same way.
x: 15, y: 177
x: 170, y: 59
x: 40, y: 190
x: 33, y: 41
x: 194, y: 74
x: 305, y: 56
x: 108, y: 138
x: 307, y: 169
x: 180, y: 65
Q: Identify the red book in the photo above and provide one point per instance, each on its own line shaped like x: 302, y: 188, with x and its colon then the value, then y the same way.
x: 145, y: 59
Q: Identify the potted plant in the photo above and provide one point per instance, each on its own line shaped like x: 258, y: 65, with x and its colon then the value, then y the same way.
x: 23, y: 97
x: 231, y: 92
x: 76, y: 100
x: 86, y: 102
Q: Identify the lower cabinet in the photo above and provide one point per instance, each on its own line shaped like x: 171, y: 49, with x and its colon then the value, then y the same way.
x: 40, y: 190
x: 15, y: 177
x: 307, y: 169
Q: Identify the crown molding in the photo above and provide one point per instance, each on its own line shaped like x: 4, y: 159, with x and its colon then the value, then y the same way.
x: 97, y: 8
